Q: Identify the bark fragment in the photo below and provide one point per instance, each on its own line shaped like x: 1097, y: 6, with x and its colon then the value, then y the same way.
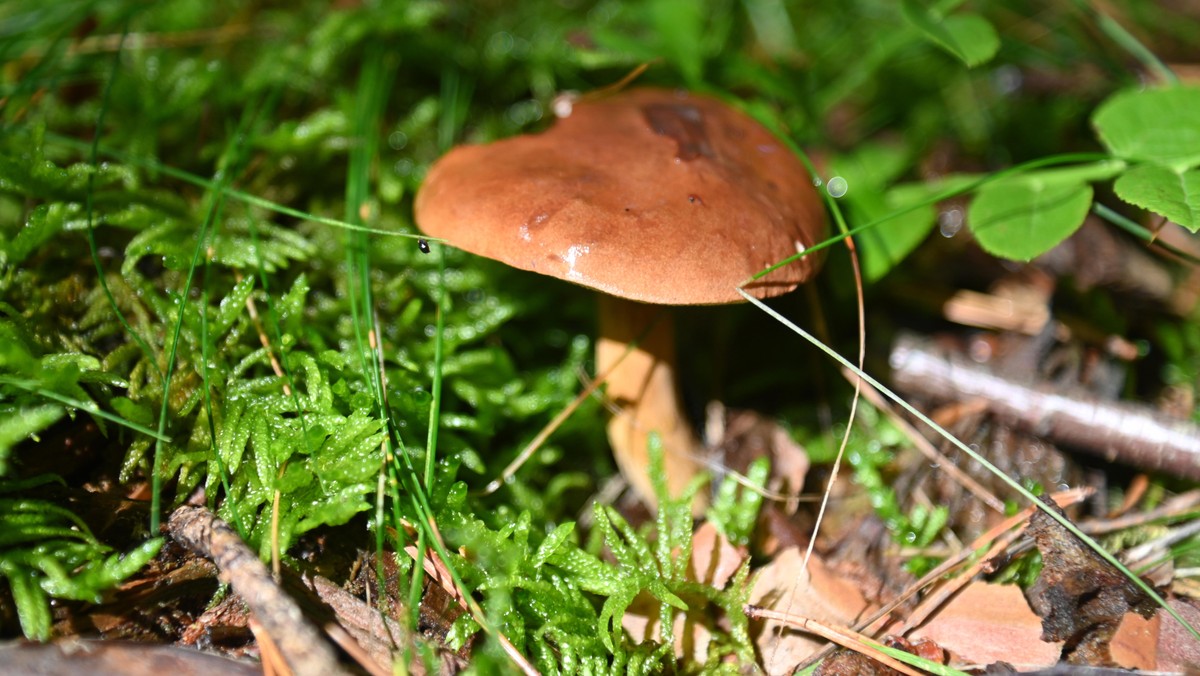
x: 1080, y: 597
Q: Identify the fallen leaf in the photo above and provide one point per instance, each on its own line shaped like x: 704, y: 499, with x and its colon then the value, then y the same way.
x: 986, y: 623
x: 816, y: 593
x: 739, y: 437
x: 844, y: 662
x: 690, y: 631
x: 849, y: 663
x: 1135, y: 645
x: 714, y: 558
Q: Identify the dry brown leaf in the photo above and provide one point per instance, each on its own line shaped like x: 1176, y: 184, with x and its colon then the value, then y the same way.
x: 986, y: 623
x: 692, y: 636
x: 845, y: 662
x: 1135, y: 645
x: 817, y: 593
x: 714, y: 558
x: 739, y: 437
x: 437, y: 571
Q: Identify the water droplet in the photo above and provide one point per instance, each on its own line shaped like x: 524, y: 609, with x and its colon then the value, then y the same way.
x: 524, y: 112
x: 1007, y: 79
x: 499, y: 44
x: 950, y: 222
x: 837, y: 187
x: 564, y: 104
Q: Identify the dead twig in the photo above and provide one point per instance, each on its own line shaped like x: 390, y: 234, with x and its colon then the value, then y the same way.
x: 844, y: 637
x: 1129, y: 433
x: 373, y: 636
x: 98, y: 657
x: 1181, y: 505
x: 302, y: 646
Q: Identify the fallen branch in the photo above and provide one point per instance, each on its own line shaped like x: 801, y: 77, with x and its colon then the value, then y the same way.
x: 302, y: 646
x: 1129, y: 433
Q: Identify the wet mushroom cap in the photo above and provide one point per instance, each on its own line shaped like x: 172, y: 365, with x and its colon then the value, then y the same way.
x: 652, y: 195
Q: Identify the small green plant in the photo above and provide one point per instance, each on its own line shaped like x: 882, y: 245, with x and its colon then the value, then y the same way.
x: 737, y: 502
x: 545, y: 590
x: 1023, y: 212
x: 47, y: 552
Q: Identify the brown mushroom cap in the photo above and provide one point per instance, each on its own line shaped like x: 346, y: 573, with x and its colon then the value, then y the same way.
x: 653, y: 195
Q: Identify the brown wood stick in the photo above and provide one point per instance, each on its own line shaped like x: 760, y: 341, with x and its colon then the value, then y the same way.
x: 1129, y: 433
x: 303, y: 647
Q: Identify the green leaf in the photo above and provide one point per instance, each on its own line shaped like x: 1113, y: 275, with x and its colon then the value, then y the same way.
x: 871, y: 166
x: 660, y: 592
x: 589, y: 572
x: 463, y: 628
x: 18, y: 423
x: 1072, y: 175
x: 611, y: 613
x: 44, y: 222
x: 15, y: 352
x: 552, y: 543
x: 1022, y: 219
x: 735, y: 508
x: 33, y: 607
x: 99, y: 575
x: 1153, y: 125
x: 1175, y: 195
x: 232, y: 307
x: 967, y: 36
x: 892, y: 240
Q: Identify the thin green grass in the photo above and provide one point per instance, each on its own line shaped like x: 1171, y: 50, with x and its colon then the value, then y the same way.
x: 34, y: 387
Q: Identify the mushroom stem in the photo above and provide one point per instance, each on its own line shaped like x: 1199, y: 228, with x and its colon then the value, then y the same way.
x: 644, y: 388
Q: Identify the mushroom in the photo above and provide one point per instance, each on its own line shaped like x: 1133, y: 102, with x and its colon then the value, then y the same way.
x: 652, y: 197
